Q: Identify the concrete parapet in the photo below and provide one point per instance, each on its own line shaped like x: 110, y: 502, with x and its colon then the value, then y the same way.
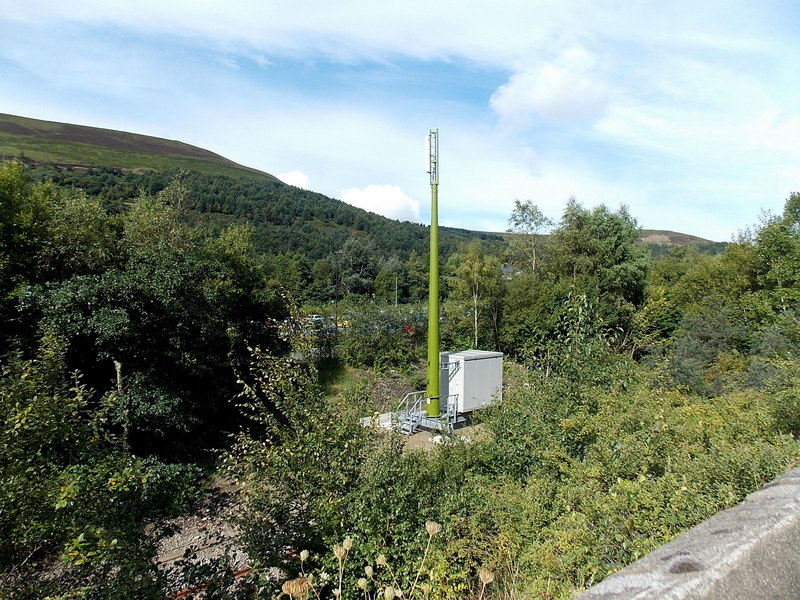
x: 750, y: 551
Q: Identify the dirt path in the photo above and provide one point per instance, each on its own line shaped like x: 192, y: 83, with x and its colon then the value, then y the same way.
x: 206, y: 534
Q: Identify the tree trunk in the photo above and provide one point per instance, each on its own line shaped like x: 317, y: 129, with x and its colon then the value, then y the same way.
x: 126, y: 430
x: 475, y: 315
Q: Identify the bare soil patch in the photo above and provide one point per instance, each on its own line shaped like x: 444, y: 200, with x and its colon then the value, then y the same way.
x: 206, y: 533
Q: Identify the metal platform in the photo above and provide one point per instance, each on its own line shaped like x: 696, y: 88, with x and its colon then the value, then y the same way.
x: 410, y: 416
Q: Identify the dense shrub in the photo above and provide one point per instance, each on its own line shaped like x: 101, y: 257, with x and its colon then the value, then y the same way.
x: 577, y: 474
x: 73, y: 503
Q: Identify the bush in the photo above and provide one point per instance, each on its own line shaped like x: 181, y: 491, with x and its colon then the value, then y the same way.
x: 378, y: 337
x: 578, y: 478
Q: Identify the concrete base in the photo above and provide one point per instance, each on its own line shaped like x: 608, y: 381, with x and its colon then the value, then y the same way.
x: 382, y: 420
x: 751, y: 551
x: 389, y: 420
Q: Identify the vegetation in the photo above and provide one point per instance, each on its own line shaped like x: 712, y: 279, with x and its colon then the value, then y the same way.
x: 159, y: 327
x: 302, y: 226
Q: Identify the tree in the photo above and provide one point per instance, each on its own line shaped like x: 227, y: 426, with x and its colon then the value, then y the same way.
x: 476, y: 276
x: 777, y: 256
x: 167, y: 326
x: 416, y: 269
x: 79, y: 237
x: 598, y: 253
x: 23, y: 211
x: 386, y: 285
x: 323, y: 281
x: 291, y: 270
x: 528, y: 222
x: 356, y: 265
x: 70, y: 497
x: 390, y: 282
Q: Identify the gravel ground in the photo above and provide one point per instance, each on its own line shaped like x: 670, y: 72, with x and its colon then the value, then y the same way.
x: 205, y: 534
x: 427, y: 440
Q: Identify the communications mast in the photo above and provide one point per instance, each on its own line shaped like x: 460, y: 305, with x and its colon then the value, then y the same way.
x: 432, y: 392
x: 470, y: 379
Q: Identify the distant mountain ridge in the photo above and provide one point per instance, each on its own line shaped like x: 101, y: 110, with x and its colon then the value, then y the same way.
x: 661, y: 237
x: 660, y: 241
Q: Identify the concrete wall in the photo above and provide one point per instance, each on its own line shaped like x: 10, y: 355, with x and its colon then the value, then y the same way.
x: 748, y: 552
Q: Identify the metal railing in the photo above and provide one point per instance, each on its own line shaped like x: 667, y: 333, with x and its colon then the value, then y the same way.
x: 410, y: 414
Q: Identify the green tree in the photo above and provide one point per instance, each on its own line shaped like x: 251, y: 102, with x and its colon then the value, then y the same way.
x: 291, y: 271
x: 416, y: 269
x: 476, y: 277
x: 323, y: 281
x: 529, y: 223
x: 23, y: 212
x: 597, y: 252
x: 166, y: 327
x: 530, y: 314
x: 78, y: 237
x: 386, y: 284
x: 777, y: 256
x: 70, y: 497
x: 356, y: 265
x: 390, y: 282
x: 305, y: 460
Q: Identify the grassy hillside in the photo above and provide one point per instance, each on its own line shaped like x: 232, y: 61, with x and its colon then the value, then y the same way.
x: 79, y: 145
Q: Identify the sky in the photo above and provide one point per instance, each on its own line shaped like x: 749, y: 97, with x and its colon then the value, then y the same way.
x: 687, y: 112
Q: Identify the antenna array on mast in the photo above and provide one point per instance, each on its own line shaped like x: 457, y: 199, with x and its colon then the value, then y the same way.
x: 432, y: 155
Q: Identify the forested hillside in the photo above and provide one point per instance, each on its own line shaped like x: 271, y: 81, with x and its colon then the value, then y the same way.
x: 115, y: 165
x: 156, y: 334
x: 286, y: 219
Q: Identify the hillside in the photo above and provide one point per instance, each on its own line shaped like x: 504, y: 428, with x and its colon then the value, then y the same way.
x: 117, y: 164
x: 286, y: 219
x: 79, y: 145
x: 661, y: 241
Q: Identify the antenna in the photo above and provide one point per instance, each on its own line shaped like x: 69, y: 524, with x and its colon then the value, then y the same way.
x: 432, y: 155
x: 432, y: 163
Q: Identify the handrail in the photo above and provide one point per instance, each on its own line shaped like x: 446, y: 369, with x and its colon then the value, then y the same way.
x: 409, y: 413
x: 406, y: 403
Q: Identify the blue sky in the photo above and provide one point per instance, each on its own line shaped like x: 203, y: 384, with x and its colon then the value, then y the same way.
x: 686, y: 112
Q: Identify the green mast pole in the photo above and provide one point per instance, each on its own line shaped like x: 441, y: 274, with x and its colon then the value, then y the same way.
x: 433, y: 286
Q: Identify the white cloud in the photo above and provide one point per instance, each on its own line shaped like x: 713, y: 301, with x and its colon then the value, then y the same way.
x: 347, y: 30
x: 387, y: 200
x: 568, y: 89
x: 295, y: 178
x: 502, y: 32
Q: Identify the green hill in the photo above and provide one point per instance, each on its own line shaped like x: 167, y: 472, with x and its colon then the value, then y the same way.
x: 286, y: 218
x: 117, y: 164
x: 40, y: 141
